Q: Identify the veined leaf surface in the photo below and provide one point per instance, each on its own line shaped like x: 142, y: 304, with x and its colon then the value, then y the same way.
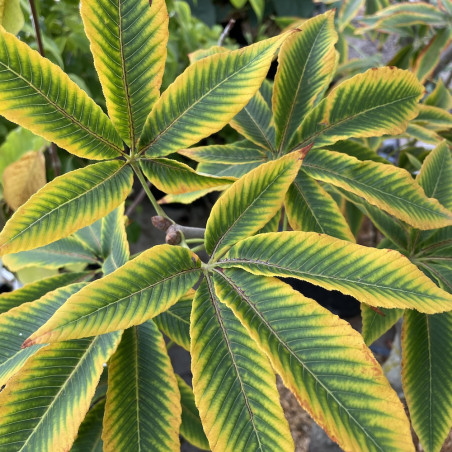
x: 322, y: 360
x: 62, y: 378
x: 381, y: 101
x: 306, y: 64
x: 376, y: 277
x: 375, y: 324
x: 218, y: 86
x: 65, y: 205
x: 226, y: 169
x: 55, y: 107
x: 250, y: 203
x: 89, y: 436
x: 426, y: 370
x: 128, y: 40
x: 233, y: 382
x: 141, y: 383
x: 310, y: 207
x: 175, y: 178
x: 434, y: 117
x: 136, y: 292
x: 385, y: 186
x: 20, y: 322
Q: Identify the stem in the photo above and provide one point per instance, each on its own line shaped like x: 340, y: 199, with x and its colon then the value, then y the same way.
x: 193, y: 241
x: 146, y: 188
x: 226, y: 31
x: 56, y: 164
x: 198, y: 248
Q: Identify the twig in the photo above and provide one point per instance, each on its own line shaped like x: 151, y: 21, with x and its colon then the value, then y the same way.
x: 56, y: 164
x: 136, y: 201
x: 226, y: 31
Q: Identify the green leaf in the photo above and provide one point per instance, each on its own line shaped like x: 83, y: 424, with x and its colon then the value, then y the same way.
x: 311, y: 208
x: 355, y: 149
x: 11, y: 16
x: 427, y: 365
x: 434, y: 117
x: 20, y: 322
x: 379, y: 102
x: 89, y: 436
x: 348, y: 10
x: 254, y: 122
x: 183, y: 114
x: 227, y: 170
x: 128, y: 42
x: 250, y: 203
x: 175, y: 322
x: 389, y: 188
x: 306, y: 65
x: 136, y: 292
x: 56, y: 108
x: 238, y: 152
x: 191, y: 427
x: 173, y: 177
x: 43, y: 406
x: 188, y: 198
x: 322, y: 360
x: 233, y: 382
x: 376, y: 277
x: 143, y: 409
x: 376, y: 323
x: 66, y: 204
x: 440, y: 97
x: 35, y: 290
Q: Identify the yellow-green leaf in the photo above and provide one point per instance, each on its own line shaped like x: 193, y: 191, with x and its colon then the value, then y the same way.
x: 376, y: 277
x: 136, y: 292
x: 306, y: 64
x: 376, y: 323
x: 11, y: 16
x: 233, y: 382
x: 379, y: 102
x: 227, y: 169
x: 310, y: 207
x: 188, y: 198
x: 128, y: 41
x: 66, y: 204
x: 89, y: 436
x: 322, y: 359
x: 175, y: 178
x: 434, y: 117
x: 426, y: 370
x: 56, y: 108
x: 250, y: 203
x: 43, y: 405
x: 389, y: 188
x: 440, y: 97
x: 143, y: 410
x: 206, y: 97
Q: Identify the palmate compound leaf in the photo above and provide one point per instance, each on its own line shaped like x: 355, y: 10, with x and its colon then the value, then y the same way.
x: 66, y: 204
x: 322, y: 360
x: 143, y: 410
x: 377, y: 277
x: 43, y: 405
x: 233, y: 382
x: 217, y: 87
x: 20, y: 322
x: 128, y: 41
x: 306, y: 65
x: 134, y: 293
x: 250, y: 203
x: 378, y: 102
x: 38, y: 95
x: 390, y: 188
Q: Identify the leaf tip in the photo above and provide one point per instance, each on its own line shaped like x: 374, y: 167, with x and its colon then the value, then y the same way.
x: 28, y: 343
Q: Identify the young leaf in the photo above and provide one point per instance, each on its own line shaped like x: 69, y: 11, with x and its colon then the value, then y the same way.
x: 141, y: 383
x: 250, y: 203
x: 390, y: 188
x: 233, y: 382
x: 128, y: 41
x: 381, y: 101
x: 426, y: 370
x: 376, y: 277
x: 375, y: 324
x: 218, y: 86
x: 43, y: 406
x: 66, y: 204
x: 322, y: 360
x: 56, y: 108
x: 136, y: 292
x: 254, y: 122
x: 89, y: 436
x: 306, y: 65
x: 191, y: 428
x: 176, y: 178
x: 22, y: 321
x: 310, y: 208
